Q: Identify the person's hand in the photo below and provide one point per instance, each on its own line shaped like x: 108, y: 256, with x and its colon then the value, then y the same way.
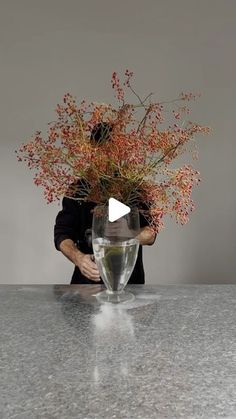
x: 88, y: 267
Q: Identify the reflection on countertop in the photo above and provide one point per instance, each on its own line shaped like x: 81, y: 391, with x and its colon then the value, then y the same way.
x: 168, y: 354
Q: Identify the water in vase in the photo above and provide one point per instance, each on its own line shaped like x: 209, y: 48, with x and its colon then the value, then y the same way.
x: 115, y: 260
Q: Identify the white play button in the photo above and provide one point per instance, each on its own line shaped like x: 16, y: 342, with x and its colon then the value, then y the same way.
x: 116, y: 209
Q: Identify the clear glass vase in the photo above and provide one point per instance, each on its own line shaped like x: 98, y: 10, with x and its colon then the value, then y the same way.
x: 115, y: 249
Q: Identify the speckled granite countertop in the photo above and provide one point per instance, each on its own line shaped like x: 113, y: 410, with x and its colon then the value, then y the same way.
x: 169, y: 354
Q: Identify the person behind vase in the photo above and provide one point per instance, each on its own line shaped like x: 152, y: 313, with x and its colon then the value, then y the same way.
x: 72, y: 231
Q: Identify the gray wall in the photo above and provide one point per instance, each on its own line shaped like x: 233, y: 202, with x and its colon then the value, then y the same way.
x: 50, y: 47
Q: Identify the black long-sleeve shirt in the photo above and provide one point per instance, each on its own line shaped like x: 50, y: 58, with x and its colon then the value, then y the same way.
x: 72, y: 222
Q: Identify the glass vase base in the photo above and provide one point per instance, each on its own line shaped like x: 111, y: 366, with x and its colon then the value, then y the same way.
x: 115, y: 297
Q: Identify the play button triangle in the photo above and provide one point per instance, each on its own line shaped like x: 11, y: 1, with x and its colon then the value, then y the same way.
x: 116, y: 209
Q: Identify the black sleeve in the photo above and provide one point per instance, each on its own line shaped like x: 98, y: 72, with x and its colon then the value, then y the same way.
x: 65, y: 224
x: 143, y: 221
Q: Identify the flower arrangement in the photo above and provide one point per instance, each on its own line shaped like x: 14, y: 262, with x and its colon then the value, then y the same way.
x: 134, y: 166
